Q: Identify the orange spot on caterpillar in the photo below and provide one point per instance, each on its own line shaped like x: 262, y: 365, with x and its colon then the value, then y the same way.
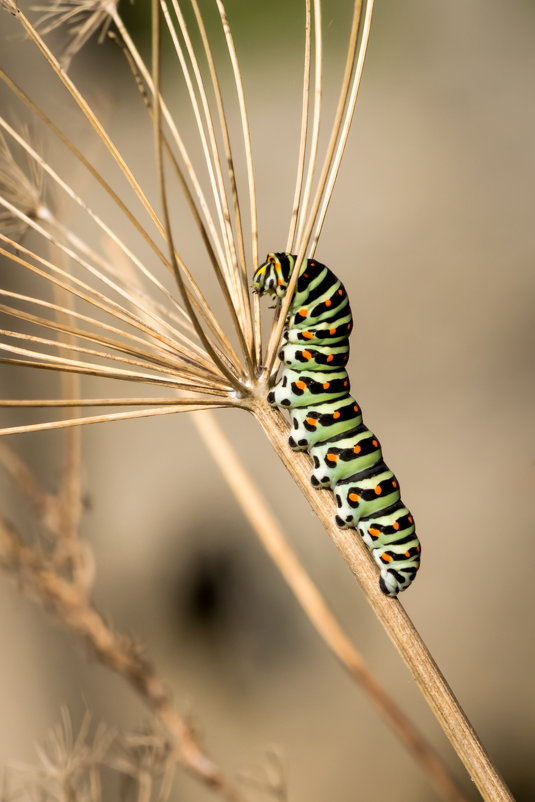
x: 312, y: 421
x: 357, y: 449
x: 411, y: 521
x: 303, y: 312
x: 374, y: 532
x: 407, y: 554
x: 280, y: 281
x: 345, y: 384
x: 308, y: 335
x: 348, y: 326
x: 418, y: 548
x: 328, y: 302
x: 356, y: 408
x: 396, y: 525
x: 330, y: 358
x: 336, y: 415
x: 306, y: 354
x: 354, y: 497
x: 305, y: 275
x: 378, y: 490
x: 395, y: 484
x: 326, y: 385
x: 332, y: 331
x: 375, y: 443
x: 340, y: 292
x: 313, y: 264
x: 386, y: 558
x: 332, y: 457
x: 301, y: 385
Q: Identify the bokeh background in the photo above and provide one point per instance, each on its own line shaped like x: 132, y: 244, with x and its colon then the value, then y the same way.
x: 431, y: 229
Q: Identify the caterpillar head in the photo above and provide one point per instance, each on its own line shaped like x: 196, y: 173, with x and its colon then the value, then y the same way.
x: 272, y: 277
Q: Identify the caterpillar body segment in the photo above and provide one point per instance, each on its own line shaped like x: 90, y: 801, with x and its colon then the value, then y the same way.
x: 322, y: 421
x: 300, y: 388
x: 327, y: 421
x: 344, y: 455
x: 308, y: 357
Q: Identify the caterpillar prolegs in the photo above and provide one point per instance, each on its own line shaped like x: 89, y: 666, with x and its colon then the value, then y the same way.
x: 327, y: 421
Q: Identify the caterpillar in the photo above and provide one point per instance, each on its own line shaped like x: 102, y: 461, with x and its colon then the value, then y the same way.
x: 327, y: 421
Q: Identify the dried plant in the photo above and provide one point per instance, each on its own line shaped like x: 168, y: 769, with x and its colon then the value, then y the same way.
x: 128, y: 326
x: 71, y: 765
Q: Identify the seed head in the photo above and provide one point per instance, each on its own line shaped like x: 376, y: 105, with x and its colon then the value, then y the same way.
x: 81, y: 19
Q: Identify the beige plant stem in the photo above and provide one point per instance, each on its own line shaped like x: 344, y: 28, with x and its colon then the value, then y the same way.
x: 113, y: 650
x: 272, y: 538
x: 392, y: 616
x: 69, y: 548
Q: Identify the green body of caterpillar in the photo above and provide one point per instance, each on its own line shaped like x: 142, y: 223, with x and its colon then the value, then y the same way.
x: 327, y: 421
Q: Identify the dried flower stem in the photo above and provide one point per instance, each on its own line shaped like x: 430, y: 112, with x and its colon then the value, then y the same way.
x: 392, y: 616
x: 113, y: 650
x: 272, y: 538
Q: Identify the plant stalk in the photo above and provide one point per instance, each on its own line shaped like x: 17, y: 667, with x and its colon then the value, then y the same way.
x: 391, y: 614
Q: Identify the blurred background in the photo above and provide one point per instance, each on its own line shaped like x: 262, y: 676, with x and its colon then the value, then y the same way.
x: 431, y: 230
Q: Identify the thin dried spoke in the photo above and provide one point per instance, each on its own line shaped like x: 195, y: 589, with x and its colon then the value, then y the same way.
x: 303, y: 244
x: 303, y: 207
x: 221, y: 113
x: 346, y: 125
x: 202, y: 305
x: 154, y: 361
x: 174, y: 131
x: 43, y: 164
x: 233, y: 278
x: 234, y: 380
x: 178, y: 372
x: 226, y: 350
x: 94, y: 299
x: 211, y: 155
x: 86, y: 163
x: 255, y: 316
x: 42, y: 403
x: 233, y: 363
x: 290, y: 245
x: 83, y: 263
x: 245, y: 129
x: 87, y: 369
x: 108, y: 417
x: 91, y: 117
x: 160, y: 355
